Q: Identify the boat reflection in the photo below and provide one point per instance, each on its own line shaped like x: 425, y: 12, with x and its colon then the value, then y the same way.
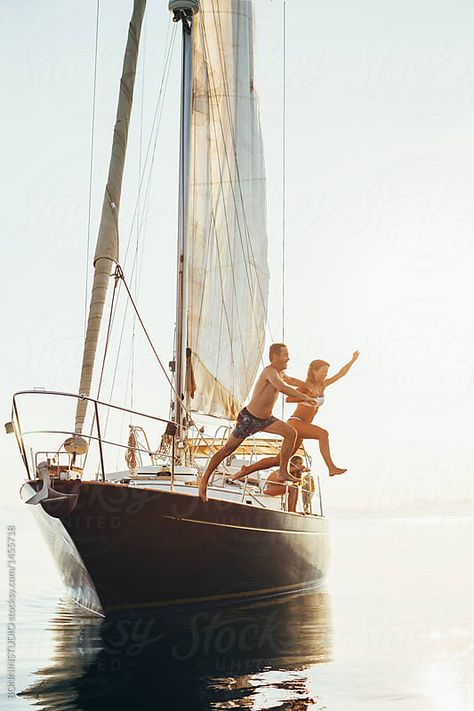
x: 227, y: 657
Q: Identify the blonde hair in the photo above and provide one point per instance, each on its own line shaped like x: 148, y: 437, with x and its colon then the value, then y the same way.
x: 315, y: 365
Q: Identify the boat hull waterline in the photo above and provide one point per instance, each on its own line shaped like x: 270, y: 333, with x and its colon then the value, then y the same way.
x: 124, y: 548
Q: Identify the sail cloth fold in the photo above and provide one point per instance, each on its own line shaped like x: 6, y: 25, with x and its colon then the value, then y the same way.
x: 228, y: 273
x: 107, y: 249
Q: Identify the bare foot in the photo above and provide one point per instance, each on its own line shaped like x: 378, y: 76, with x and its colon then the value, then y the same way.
x: 241, y: 473
x: 203, y: 490
x: 337, y: 471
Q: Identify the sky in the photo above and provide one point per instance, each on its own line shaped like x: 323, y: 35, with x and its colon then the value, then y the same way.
x: 379, y: 221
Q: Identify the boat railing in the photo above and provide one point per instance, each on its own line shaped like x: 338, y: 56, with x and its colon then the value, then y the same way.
x: 155, y: 454
x: 218, y: 440
x: 221, y: 432
x: 96, y: 435
x: 58, y: 461
x: 305, y: 485
x: 62, y: 463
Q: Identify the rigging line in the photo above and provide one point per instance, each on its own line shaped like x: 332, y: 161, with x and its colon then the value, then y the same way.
x: 119, y: 273
x: 122, y: 419
x: 139, y: 260
x: 117, y: 358
x: 226, y: 97
x: 224, y: 307
x: 119, y: 348
x: 283, y: 230
x: 155, y: 128
x: 223, y: 136
x: 156, y: 122
x: 139, y: 216
x: 216, y: 242
x: 137, y: 265
x: 223, y: 310
x: 107, y: 340
x: 235, y: 290
x: 194, y: 339
x: 208, y: 241
x: 227, y: 232
x: 164, y: 83
x: 231, y: 183
x: 284, y: 148
x: 91, y: 166
x: 148, y: 337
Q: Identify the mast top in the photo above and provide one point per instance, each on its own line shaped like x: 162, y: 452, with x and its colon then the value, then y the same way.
x: 183, y: 7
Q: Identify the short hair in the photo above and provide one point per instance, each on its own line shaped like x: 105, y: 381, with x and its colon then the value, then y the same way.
x: 275, y: 349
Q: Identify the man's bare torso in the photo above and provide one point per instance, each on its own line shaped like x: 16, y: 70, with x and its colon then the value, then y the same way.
x: 264, y: 395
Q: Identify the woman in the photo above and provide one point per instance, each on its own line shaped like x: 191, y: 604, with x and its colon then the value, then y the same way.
x: 315, y: 385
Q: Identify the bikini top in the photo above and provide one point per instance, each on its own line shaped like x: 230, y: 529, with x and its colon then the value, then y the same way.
x: 319, y: 401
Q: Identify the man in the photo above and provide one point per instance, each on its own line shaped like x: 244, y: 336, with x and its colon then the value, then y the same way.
x: 275, y: 487
x: 257, y: 416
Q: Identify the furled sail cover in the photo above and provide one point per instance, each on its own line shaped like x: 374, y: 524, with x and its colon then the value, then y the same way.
x: 228, y: 273
x: 107, y: 248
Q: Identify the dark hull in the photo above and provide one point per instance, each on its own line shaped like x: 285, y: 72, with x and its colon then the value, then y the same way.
x: 127, y: 548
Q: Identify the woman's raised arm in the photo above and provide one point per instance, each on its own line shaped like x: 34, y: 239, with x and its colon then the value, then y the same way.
x: 344, y: 370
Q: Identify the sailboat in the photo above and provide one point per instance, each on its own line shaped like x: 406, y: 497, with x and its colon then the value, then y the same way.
x: 140, y: 537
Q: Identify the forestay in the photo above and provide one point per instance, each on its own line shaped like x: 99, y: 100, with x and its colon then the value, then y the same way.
x: 228, y: 273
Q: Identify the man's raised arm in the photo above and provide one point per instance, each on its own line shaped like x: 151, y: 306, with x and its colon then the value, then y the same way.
x: 293, y: 381
x: 278, y: 384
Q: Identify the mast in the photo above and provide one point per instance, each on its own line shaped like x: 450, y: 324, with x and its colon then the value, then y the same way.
x: 107, y: 249
x: 183, y: 11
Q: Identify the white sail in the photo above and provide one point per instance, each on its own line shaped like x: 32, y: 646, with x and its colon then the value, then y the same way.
x: 228, y: 273
x: 107, y: 249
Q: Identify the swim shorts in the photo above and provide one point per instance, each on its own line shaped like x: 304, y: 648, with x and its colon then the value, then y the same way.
x: 248, y: 424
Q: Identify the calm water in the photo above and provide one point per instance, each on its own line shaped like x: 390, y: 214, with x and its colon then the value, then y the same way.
x: 392, y: 629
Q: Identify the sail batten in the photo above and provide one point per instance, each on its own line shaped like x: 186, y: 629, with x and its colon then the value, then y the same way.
x: 228, y: 273
x: 107, y: 249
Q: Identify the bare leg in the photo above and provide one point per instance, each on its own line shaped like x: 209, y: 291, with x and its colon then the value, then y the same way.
x: 266, y: 463
x: 292, y: 498
x: 287, y: 448
x: 274, y: 487
x: 218, y: 457
x: 307, y: 431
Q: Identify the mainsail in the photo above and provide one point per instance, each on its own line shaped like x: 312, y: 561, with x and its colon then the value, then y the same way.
x: 228, y: 273
x: 107, y: 248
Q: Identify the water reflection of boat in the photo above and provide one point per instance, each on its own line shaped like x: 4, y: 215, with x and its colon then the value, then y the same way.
x: 190, y: 660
